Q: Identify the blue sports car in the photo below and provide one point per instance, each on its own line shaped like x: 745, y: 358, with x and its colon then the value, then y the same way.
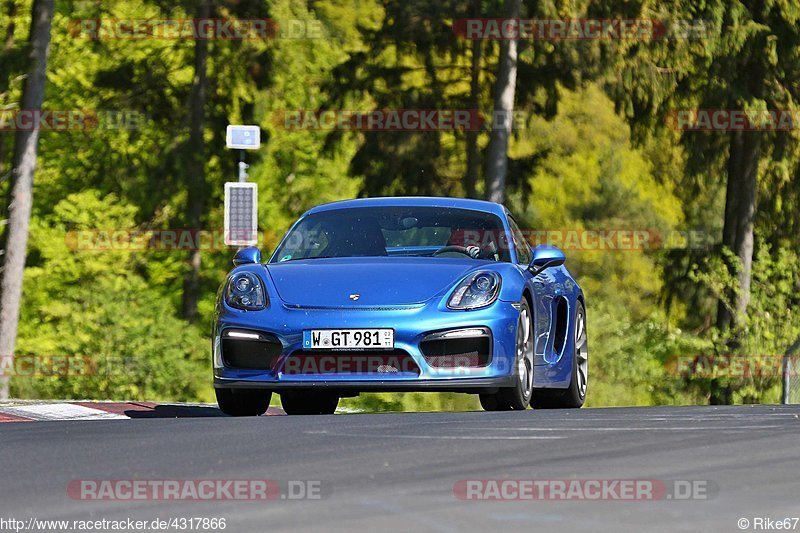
x: 400, y: 294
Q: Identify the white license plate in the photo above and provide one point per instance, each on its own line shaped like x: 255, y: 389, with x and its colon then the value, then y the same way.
x: 348, y: 339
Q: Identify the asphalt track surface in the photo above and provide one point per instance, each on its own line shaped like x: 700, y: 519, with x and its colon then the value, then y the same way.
x: 397, y: 471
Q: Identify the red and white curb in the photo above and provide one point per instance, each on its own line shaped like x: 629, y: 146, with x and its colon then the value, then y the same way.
x: 41, y: 411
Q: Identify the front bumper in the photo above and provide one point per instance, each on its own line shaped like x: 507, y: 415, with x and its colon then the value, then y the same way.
x: 411, y: 325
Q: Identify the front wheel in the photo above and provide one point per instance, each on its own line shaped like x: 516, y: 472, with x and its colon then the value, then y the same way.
x: 517, y: 397
x: 243, y: 402
x: 309, y: 403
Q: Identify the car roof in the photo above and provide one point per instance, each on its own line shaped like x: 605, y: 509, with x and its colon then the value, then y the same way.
x: 413, y: 201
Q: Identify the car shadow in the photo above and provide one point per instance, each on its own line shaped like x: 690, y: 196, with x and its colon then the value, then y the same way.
x: 172, y: 411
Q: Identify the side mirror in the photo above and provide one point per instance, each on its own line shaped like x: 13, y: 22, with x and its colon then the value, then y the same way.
x: 248, y: 255
x: 545, y: 256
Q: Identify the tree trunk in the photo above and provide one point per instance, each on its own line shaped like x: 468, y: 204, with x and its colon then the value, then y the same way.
x: 195, y: 168
x: 21, y: 187
x: 740, y: 209
x: 11, y: 13
x: 473, y: 157
x: 504, y: 89
x: 2, y: 171
x: 737, y: 236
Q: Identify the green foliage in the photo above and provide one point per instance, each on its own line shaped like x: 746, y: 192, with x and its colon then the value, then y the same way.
x: 589, y: 177
x: 632, y: 362
x: 748, y: 361
x: 96, y: 309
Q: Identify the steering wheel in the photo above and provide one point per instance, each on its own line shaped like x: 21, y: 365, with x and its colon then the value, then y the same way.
x: 452, y: 249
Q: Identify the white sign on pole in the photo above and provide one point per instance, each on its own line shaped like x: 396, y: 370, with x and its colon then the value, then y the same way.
x: 243, y: 137
x: 241, y: 214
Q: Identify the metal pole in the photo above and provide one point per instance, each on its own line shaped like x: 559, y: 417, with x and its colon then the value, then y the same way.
x: 242, y: 168
x: 786, y: 384
x: 788, y: 369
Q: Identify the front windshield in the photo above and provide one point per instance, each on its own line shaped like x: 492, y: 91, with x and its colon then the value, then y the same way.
x: 397, y: 231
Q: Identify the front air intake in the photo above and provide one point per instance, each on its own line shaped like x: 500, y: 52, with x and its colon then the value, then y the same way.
x: 465, y: 348
x: 249, y: 350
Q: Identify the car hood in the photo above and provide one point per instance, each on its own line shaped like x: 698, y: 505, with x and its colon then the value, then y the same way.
x: 378, y: 281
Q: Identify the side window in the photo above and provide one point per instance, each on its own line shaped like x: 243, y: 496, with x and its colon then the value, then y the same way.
x: 524, y: 254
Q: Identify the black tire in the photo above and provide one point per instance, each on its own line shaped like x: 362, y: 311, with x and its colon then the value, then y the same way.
x: 518, y: 397
x: 574, y: 396
x: 309, y: 403
x: 243, y: 402
x: 490, y: 402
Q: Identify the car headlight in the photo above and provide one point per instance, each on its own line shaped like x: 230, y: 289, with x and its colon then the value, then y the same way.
x: 476, y: 290
x: 245, y: 291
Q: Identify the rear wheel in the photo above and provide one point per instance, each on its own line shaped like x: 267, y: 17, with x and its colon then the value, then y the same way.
x: 575, y: 394
x: 309, y: 403
x: 517, y: 397
x: 243, y: 402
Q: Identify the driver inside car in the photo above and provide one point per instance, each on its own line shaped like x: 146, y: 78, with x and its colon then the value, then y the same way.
x: 479, y: 243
